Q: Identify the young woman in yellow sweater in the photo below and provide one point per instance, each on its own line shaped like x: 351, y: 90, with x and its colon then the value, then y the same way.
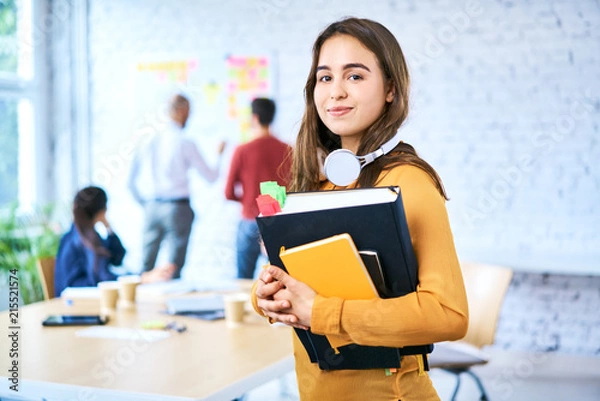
x: 357, y: 99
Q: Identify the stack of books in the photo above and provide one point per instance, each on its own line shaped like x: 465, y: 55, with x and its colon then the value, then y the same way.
x: 352, y: 244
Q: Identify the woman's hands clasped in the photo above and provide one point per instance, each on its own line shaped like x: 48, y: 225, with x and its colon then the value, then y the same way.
x: 284, y: 299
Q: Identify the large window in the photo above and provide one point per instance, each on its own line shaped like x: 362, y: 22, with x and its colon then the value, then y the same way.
x: 9, y: 151
x: 16, y: 39
x: 17, y: 98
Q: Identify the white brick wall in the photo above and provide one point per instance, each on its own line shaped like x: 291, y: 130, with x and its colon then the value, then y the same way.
x: 544, y: 312
x: 505, y: 107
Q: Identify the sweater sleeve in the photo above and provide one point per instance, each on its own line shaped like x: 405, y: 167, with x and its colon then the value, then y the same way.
x: 72, y: 268
x: 436, y: 311
x: 116, y: 248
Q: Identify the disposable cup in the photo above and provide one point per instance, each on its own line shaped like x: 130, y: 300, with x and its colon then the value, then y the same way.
x: 127, y: 290
x: 235, y: 308
x: 109, y: 295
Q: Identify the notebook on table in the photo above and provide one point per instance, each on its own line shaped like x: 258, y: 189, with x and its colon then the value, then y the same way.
x: 205, y: 307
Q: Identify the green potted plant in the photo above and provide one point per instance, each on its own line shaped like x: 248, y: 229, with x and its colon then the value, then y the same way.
x: 25, y: 238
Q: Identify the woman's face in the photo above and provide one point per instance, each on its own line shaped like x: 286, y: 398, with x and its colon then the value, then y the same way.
x: 350, y: 93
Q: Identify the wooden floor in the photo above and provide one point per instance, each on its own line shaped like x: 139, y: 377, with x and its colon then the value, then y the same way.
x: 510, y: 376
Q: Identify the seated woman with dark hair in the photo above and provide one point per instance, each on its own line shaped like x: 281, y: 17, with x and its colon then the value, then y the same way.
x: 84, y: 257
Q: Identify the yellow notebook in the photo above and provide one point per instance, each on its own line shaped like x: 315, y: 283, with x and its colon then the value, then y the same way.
x: 331, y: 266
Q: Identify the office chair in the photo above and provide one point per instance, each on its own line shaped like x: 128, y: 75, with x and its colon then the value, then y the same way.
x: 486, y: 286
x: 45, y: 269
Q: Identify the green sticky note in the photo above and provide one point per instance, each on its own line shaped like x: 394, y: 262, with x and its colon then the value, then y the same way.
x: 275, y: 190
x: 154, y: 325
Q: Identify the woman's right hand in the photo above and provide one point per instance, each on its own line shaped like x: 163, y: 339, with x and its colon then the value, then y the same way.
x: 266, y: 289
x: 283, y: 298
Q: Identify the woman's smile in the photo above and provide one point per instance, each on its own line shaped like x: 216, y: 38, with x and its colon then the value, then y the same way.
x: 339, y: 111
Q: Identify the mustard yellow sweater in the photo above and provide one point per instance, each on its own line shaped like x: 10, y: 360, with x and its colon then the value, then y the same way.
x: 436, y: 312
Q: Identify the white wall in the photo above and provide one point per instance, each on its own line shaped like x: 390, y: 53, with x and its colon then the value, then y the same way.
x: 504, y: 105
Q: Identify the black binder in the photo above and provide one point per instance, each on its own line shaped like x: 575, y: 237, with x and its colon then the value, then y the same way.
x: 381, y: 227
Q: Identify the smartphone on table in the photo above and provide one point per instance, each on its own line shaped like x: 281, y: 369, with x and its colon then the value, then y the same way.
x: 74, y: 320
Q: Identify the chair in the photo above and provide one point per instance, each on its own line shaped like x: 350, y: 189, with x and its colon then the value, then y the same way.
x: 45, y: 269
x: 486, y: 286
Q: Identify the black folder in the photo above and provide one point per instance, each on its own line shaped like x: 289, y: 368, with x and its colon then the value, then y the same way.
x: 375, y: 219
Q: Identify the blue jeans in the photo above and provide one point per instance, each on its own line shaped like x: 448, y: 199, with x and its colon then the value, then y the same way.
x: 248, y: 248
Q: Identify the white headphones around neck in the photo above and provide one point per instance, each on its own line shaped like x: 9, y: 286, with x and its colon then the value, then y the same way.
x: 342, y: 167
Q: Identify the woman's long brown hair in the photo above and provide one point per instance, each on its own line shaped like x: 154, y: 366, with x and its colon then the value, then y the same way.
x: 314, y: 135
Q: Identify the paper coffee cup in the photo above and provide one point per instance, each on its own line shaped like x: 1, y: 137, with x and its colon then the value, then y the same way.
x: 127, y: 290
x: 109, y: 295
x: 235, y: 308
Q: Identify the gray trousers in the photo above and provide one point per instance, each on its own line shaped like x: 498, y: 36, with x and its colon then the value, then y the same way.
x: 171, y: 222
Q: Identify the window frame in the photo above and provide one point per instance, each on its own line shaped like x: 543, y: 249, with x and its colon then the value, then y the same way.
x: 33, y: 185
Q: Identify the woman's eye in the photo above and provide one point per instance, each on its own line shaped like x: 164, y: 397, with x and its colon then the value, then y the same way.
x: 325, y: 78
x: 355, y: 77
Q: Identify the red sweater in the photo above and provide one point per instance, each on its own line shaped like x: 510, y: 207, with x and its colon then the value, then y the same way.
x: 262, y: 159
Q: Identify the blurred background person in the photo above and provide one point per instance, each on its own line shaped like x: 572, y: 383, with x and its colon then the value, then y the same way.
x: 84, y: 258
x: 159, y: 182
x: 263, y: 158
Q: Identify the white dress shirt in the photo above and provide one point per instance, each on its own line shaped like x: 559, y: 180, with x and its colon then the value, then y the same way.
x: 160, y: 168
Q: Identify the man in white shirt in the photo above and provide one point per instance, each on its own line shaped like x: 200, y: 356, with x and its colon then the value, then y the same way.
x: 158, y: 181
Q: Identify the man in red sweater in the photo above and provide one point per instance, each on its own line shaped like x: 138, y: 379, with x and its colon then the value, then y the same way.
x: 264, y: 158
